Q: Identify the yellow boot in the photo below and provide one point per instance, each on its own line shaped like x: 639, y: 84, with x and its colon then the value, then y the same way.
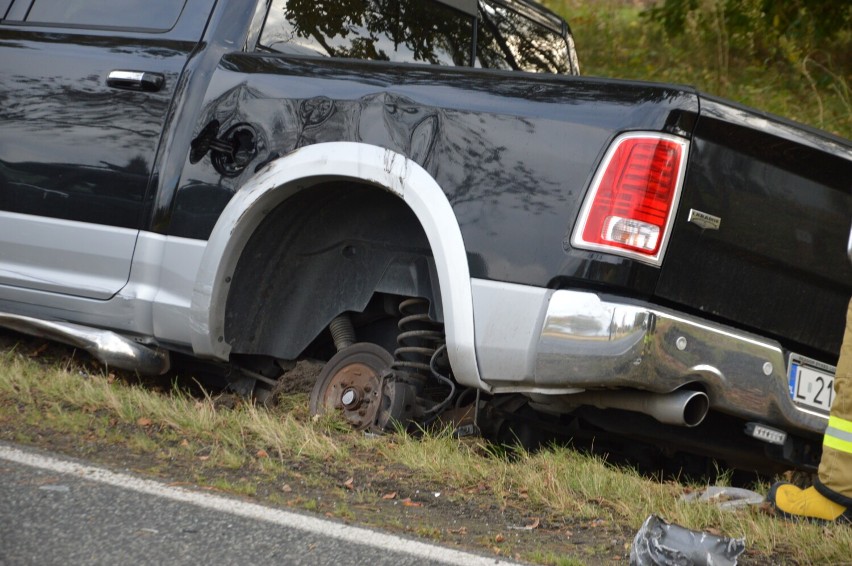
x: 793, y: 502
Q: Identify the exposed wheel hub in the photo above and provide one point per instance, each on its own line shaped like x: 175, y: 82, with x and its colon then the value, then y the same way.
x: 351, y: 398
x: 351, y: 382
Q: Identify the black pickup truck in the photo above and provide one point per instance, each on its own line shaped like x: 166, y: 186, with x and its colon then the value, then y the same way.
x: 427, y: 195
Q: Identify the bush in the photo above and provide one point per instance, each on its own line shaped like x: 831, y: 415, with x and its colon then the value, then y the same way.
x: 764, y: 30
x: 791, y: 57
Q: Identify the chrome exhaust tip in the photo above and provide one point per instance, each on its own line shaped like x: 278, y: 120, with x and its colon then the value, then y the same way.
x: 696, y: 405
x: 682, y: 408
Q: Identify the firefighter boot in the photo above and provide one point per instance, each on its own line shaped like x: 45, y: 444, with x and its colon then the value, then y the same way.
x: 793, y: 502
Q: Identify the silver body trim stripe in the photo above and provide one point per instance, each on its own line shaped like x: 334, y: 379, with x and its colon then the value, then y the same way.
x: 508, y: 320
x: 64, y: 256
x: 154, y: 302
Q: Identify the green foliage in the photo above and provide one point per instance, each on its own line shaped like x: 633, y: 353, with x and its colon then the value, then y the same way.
x: 791, y: 58
x: 760, y: 29
x: 798, y: 18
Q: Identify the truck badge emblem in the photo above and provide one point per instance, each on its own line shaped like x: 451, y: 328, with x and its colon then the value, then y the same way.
x: 703, y: 220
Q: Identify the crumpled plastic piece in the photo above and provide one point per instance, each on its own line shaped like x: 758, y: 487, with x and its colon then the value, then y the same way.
x: 659, y: 543
x: 726, y: 497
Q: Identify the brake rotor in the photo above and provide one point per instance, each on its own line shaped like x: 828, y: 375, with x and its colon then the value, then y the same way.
x: 351, y: 383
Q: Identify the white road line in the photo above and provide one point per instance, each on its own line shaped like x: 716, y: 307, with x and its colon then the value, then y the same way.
x: 249, y: 510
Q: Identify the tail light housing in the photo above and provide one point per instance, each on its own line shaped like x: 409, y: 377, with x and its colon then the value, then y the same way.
x: 633, y: 197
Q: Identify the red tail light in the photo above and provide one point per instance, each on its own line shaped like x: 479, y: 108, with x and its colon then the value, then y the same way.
x: 633, y: 198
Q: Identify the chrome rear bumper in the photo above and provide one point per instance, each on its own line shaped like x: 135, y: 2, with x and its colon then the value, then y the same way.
x: 583, y: 341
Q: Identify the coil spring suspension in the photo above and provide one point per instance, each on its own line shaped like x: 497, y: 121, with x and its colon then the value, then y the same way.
x: 421, y: 347
x: 419, y: 338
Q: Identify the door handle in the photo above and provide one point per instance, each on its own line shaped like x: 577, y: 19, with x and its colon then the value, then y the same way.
x: 136, y: 80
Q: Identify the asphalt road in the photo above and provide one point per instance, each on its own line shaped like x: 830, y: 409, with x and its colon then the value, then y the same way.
x: 56, y: 511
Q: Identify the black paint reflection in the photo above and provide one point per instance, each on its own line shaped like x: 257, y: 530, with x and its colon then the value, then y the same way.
x: 73, y: 192
x: 70, y: 147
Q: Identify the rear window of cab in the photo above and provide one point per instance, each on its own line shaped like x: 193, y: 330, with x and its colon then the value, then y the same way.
x: 415, y: 31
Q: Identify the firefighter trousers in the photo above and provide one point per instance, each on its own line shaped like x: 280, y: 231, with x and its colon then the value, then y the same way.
x: 835, y: 468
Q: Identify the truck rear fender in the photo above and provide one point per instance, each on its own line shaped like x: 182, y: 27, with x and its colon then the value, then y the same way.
x: 279, y: 180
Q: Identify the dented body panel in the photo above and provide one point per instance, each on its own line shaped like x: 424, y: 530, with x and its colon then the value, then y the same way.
x: 507, y: 150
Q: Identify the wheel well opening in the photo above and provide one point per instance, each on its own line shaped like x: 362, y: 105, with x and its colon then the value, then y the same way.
x: 332, y: 248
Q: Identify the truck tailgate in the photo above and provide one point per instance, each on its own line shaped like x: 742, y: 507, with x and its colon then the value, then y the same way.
x: 776, y: 263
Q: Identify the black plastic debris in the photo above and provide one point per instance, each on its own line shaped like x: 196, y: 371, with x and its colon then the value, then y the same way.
x: 659, y: 543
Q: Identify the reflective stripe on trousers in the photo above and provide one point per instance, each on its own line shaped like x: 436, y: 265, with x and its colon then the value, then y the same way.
x: 838, y: 435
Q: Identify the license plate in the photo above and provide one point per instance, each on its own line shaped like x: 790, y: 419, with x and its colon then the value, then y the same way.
x: 811, y: 383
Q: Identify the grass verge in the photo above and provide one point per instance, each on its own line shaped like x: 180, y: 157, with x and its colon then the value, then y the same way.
x: 551, y: 507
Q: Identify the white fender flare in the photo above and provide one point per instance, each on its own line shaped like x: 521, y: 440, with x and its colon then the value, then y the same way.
x: 286, y: 176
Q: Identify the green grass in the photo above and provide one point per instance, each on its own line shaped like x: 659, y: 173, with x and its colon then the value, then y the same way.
x: 807, y: 84
x: 554, y: 484
x: 553, y: 559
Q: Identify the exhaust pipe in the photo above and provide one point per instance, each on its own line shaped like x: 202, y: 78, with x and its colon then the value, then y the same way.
x: 682, y: 408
